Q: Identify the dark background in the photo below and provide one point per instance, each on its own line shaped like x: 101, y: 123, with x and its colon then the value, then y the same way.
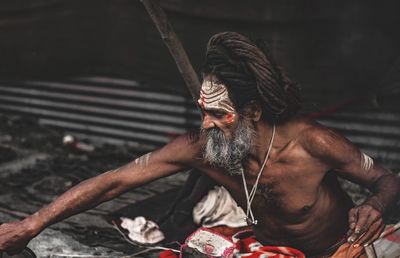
x: 340, y: 46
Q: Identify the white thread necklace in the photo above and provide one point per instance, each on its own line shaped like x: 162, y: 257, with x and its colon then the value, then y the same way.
x: 250, y: 196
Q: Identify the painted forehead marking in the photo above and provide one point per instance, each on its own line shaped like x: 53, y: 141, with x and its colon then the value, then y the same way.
x: 215, y: 96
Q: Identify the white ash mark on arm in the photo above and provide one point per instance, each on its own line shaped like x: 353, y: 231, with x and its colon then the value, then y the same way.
x: 143, y: 161
x: 366, y: 162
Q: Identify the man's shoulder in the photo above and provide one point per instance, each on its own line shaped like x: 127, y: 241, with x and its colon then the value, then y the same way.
x: 306, y: 131
x: 323, y: 142
x: 316, y: 134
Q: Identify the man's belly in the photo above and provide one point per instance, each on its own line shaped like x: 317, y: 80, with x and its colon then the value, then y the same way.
x: 310, y: 231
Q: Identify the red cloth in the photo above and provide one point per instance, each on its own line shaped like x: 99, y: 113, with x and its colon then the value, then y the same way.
x: 249, y: 247
x: 168, y: 254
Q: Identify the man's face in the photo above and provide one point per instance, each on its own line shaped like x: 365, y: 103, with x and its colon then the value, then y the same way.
x: 217, y: 107
x: 228, y: 137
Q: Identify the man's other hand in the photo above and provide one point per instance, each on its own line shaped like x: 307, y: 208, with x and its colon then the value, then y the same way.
x: 14, y: 236
x: 366, y: 224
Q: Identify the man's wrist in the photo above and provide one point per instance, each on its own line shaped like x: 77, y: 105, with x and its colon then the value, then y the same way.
x: 375, y: 203
x: 34, y: 224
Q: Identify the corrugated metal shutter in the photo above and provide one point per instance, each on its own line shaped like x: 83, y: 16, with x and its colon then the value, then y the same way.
x: 126, y: 112
x: 103, y: 109
x: 377, y: 133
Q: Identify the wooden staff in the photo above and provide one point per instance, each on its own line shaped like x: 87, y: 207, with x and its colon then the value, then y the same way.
x: 175, y: 47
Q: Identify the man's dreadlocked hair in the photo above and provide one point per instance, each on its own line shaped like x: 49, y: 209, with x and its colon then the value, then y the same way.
x: 247, y: 69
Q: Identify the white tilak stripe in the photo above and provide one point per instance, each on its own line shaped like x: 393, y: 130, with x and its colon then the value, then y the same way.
x: 228, y: 108
x: 209, y: 101
x: 214, y: 89
x: 212, y: 98
x: 212, y: 94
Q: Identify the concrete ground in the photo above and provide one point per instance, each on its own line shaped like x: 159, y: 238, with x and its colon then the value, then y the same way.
x: 35, y: 167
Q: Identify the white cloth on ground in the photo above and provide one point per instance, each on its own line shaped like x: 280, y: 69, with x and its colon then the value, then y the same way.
x: 142, y: 231
x: 218, y: 208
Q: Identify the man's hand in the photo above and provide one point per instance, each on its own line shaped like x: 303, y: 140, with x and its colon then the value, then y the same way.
x: 365, y: 224
x: 14, y: 236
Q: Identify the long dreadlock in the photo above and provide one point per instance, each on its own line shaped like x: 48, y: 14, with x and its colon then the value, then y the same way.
x: 249, y: 72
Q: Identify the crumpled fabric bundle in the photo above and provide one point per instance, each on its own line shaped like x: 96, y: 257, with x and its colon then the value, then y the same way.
x: 142, y: 231
x: 218, y: 208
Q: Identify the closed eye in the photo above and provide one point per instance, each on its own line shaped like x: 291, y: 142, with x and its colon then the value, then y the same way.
x: 214, y: 113
x: 218, y: 114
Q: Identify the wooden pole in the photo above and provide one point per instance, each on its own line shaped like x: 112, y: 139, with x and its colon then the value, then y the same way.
x: 175, y: 47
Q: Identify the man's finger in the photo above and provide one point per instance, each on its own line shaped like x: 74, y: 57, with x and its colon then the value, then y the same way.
x: 368, y: 234
x: 352, y: 220
x: 352, y: 217
x: 376, y: 235
x: 362, y: 220
x: 367, y: 230
x: 360, y: 225
x: 372, y: 218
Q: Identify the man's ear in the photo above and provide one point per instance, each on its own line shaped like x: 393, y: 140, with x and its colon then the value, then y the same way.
x: 253, y: 110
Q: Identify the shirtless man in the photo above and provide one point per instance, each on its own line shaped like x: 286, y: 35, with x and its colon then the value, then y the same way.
x: 249, y: 134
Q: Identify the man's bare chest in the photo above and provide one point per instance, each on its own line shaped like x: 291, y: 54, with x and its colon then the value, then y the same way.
x: 289, y: 182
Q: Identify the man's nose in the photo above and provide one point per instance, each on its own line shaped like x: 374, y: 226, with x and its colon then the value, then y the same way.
x: 207, y: 122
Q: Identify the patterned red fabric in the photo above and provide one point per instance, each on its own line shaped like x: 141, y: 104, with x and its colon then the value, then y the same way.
x: 249, y: 247
x: 246, y: 245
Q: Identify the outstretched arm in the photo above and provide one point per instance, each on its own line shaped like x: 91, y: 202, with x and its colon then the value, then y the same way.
x: 365, y: 220
x: 173, y: 157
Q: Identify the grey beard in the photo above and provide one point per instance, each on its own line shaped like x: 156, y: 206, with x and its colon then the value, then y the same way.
x: 225, y: 153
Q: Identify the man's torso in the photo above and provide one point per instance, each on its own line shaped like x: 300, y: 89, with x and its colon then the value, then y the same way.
x: 298, y: 202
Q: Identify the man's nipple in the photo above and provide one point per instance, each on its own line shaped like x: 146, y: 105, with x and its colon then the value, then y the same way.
x: 306, y: 208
